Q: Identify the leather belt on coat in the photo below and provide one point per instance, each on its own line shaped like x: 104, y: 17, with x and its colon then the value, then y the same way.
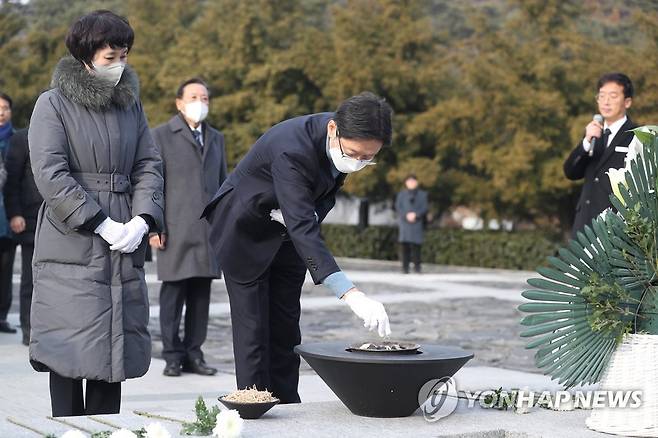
x: 103, y: 182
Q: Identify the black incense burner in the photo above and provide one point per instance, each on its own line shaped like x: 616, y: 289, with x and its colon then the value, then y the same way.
x: 381, y: 382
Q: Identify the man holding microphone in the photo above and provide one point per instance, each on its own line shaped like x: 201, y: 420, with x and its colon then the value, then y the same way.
x: 604, y: 147
x: 265, y: 231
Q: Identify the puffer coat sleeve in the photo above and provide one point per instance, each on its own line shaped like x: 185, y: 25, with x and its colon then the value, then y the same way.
x: 50, y: 164
x: 146, y: 177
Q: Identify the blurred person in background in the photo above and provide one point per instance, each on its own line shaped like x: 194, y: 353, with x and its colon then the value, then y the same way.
x: 411, y: 208
x: 194, y: 163
x: 22, y: 200
x: 7, y: 245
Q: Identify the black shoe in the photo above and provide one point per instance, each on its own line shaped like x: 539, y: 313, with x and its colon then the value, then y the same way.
x: 198, y: 366
x: 172, y: 369
x: 6, y: 328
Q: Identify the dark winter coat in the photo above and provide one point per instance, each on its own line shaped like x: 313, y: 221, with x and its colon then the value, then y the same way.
x: 92, y: 154
x: 288, y: 169
x: 192, y: 177
x: 22, y: 198
x: 405, y: 202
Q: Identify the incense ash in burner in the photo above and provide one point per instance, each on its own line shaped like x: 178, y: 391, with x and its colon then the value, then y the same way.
x: 385, y: 347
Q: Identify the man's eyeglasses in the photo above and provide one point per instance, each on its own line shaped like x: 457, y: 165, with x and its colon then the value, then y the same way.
x: 340, y: 146
x: 344, y: 155
x: 603, y: 96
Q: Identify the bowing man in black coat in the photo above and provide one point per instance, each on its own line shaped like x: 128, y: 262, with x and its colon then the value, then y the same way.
x: 265, y: 231
x: 604, y: 147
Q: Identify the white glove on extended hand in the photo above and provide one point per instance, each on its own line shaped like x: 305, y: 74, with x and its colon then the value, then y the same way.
x: 135, y: 230
x: 372, y: 312
x: 276, y: 215
x: 111, y: 231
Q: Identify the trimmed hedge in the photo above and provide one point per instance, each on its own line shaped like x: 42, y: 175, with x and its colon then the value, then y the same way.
x: 525, y: 250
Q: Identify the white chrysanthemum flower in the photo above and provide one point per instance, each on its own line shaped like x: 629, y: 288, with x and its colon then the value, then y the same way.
x: 74, y: 433
x: 123, y: 433
x: 229, y: 424
x: 156, y: 430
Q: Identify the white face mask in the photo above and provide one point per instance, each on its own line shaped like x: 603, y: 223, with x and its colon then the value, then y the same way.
x: 111, y: 73
x: 196, y: 111
x: 346, y: 164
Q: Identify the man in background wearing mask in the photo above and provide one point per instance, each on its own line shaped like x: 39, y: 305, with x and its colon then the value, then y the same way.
x: 194, y: 167
x: 265, y: 230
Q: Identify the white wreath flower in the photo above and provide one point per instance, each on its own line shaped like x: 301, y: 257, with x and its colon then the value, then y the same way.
x: 156, y: 430
x: 229, y: 424
x: 123, y: 433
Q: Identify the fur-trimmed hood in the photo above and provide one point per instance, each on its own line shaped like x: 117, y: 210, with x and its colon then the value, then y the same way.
x: 86, y: 89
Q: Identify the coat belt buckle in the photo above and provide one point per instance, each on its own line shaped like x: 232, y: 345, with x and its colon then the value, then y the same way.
x: 119, y: 182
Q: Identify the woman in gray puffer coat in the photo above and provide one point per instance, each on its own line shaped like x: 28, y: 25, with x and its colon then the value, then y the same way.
x: 100, y: 175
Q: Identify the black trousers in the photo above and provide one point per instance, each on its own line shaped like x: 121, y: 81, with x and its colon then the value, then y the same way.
x: 7, y: 253
x: 194, y: 293
x: 410, y: 252
x: 66, y: 397
x: 26, y: 287
x: 265, y: 319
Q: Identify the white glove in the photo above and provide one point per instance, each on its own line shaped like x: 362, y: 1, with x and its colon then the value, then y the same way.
x: 111, y: 231
x: 276, y: 215
x: 372, y: 312
x: 135, y: 230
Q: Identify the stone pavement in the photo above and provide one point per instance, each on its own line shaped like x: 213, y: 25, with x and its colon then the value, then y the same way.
x: 471, y: 308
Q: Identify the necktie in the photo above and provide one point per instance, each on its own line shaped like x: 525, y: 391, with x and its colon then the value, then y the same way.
x: 197, y: 136
x: 606, y: 135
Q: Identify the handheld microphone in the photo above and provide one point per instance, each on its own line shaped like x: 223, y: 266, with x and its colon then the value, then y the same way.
x: 599, y: 119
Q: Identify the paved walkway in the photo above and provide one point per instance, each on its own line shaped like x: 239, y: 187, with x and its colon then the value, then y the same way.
x: 471, y: 308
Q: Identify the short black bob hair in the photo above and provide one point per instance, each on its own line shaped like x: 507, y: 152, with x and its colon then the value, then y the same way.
x: 364, y: 117
x: 3, y: 96
x: 618, y: 78
x: 97, y: 30
x: 181, y: 87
